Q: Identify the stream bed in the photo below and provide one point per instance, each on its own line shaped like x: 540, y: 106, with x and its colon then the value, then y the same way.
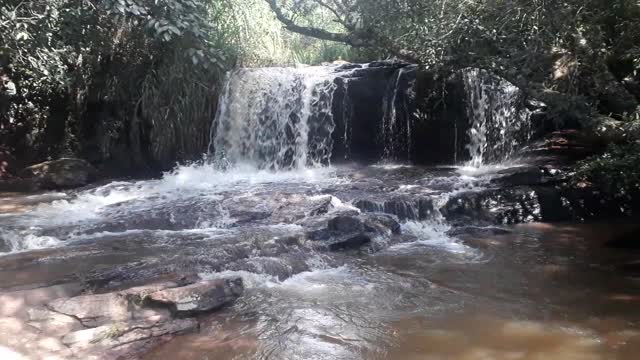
x: 430, y: 290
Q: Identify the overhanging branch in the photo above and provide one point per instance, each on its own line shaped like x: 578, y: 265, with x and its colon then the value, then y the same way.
x: 306, y: 30
x: 356, y: 38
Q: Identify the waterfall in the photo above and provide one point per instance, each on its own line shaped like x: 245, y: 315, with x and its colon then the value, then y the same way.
x: 275, y: 118
x: 499, y: 123
x: 397, y: 119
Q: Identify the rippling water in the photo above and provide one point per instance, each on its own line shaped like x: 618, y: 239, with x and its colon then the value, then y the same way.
x: 526, y: 292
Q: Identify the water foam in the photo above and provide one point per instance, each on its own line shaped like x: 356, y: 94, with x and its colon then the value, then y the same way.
x: 499, y: 122
x: 21, y: 232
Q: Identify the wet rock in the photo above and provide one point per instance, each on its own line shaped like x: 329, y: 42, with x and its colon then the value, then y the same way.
x: 199, y: 297
x: 476, y: 231
x: 381, y: 224
x: 322, y: 208
x: 345, y: 224
x: 282, y: 267
x: 349, y: 242
x: 356, y: 121
x: 403, y: 208
x: 606, y: 130
x: 528, y: 175
x: 352, y: 232
x: 244, y: 217
x: 524, y: 204
x: 18, y: 185
x: 61, y: 173
x: 369, y: 206
x: 124, y: 339
x: 5, y: 245
x: 497, y: 206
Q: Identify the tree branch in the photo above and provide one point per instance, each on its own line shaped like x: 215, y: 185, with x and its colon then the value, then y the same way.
x: 355, y: 38
x: 308, y: 31
x: 339, y: 19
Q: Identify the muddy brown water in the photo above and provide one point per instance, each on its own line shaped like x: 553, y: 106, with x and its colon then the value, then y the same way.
x: 542, y: 292
x: 538, y: 291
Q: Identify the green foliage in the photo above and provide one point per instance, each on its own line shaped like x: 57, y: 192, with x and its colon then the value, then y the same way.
x: 260, y: 39
x: 616, y: 172
x: 71, y: 58
x: 520, y: 39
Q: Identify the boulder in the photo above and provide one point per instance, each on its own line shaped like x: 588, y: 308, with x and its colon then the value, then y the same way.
x: 323, y: 208
x: 61, y: 173
x: 346, y: 232
x: 495, y: 206
x: 345, y: 224
x: 381, y: 224
x: 354, y: 241
x: 199, y: 297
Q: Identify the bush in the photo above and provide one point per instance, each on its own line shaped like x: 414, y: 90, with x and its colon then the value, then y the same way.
x: 616, y: 172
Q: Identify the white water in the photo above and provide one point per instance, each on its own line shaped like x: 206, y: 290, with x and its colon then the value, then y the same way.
x: 500, y: 125
x: 80, y: 213
x: 272, y: 132
x: 396, y: 121
x: 276, y: 118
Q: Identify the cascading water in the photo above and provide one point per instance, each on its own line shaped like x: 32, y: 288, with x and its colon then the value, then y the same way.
x: 275, y: 118
x: 499, y: 123
x: 397, y: 119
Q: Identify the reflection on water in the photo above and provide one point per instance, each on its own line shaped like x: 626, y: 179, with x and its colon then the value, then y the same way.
x: 541, y: 292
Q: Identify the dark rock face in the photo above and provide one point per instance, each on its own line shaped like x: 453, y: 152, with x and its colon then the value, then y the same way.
x: 498, y: 206
x: 441, y: 129
x: 346, y: 232
x: 60, y: 174
x: 535, y: 203
x: 345, y: 224
x: 423, y: 117
x: 358, y: 109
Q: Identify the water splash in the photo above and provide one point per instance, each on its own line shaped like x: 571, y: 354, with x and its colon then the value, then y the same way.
x: 499, y: 122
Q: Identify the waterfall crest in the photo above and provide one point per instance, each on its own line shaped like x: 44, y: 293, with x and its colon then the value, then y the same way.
x: 292, y: 118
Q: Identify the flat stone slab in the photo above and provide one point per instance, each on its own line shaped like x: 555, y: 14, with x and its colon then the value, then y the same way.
x: 95, y: 310
x: 199, y: 297
x: 17, y: 303
x: 124, y: 339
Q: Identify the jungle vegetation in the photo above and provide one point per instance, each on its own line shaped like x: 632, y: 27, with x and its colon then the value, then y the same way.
x: 117, y: 80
